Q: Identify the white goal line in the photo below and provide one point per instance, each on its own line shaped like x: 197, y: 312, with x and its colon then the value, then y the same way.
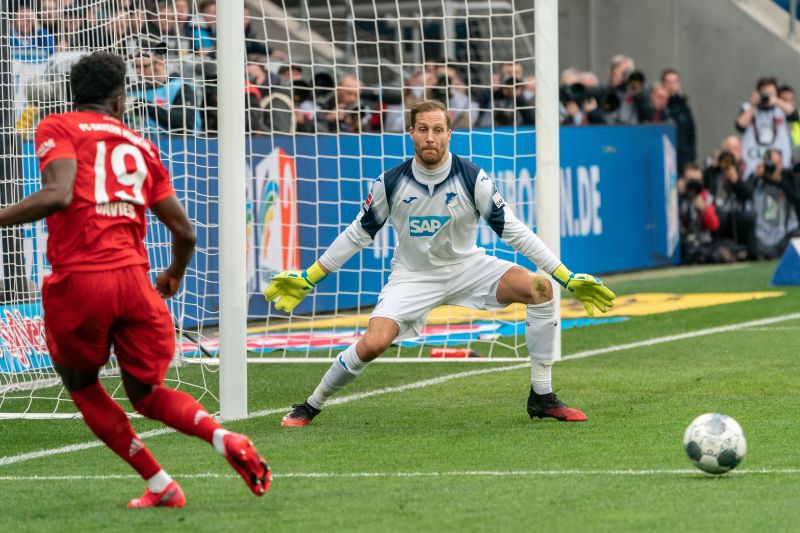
x: 444, y: 474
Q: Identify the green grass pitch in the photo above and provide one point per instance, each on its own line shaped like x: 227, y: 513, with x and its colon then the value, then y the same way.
x: 462, y: 454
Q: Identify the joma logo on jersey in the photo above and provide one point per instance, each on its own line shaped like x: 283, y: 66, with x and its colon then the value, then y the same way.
x: 425, y: 226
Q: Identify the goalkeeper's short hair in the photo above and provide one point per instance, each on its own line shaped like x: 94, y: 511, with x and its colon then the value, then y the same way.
x: 96, y: 77
x: 426, y: 106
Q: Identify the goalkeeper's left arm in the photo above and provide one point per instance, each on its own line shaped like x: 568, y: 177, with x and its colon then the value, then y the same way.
x: 494, y: 210
x: 288, y: 288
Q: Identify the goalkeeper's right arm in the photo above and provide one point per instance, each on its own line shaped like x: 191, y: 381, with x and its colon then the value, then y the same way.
x: 288, y: 288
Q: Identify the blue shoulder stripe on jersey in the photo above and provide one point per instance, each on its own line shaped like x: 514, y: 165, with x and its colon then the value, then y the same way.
x: 467, y: 172
x: 393, y: 177
x: 370, y: 222
x: 496, y: 218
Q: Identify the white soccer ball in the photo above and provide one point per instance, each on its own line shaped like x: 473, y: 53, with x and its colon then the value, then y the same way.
x: 715, y: 443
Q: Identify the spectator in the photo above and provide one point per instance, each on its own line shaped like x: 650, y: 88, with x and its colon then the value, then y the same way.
x: 257, y: 87
x: 204, y: 31
x: 123, y: 31
x: 725, y: 182
x: 786, y: 94
x: 451, y: 91
x: 50, y: 20
x: 159, y: 103
x: 628, y: 86
x: 698, y: 218
x: 529, y: 89
x: 342, y: 112
x: 31, y: 45
x: 164, y: 26
x: 252, y: 44
x: 289, y: 74
x: 681, y: 114
x: 621, y: 66
x: 393, y: 116
x: 579, y: 94
x: 257, y: 75
x: 507, y: 105
x: 659, y: 101
x: 183, y: 15
x: 763, y: 124
x: 305, y: 108
x: 418, y: 85
x: 775, y: 199
x: 290, y: 107
x: 30, y: 42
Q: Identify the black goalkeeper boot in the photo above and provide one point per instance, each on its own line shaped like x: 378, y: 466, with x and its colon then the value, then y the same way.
x: 542, y: 405
x: 301, y: 415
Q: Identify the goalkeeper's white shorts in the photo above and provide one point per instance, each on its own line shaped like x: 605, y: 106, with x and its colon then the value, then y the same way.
x: 408, y: 297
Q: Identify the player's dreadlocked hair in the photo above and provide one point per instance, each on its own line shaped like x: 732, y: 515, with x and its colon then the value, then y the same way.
x: 96, y: 77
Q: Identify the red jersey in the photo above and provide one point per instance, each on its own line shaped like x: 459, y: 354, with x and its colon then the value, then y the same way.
x: 119, y: 176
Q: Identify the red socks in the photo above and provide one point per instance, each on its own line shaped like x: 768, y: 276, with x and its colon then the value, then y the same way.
x: 180, y: 411
x: 111, y: 425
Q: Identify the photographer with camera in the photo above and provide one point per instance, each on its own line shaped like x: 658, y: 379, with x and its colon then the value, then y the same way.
x: 580, y: 98
x: 511, y: 107
x: 630, y: 101
x: 763, y: 124
x: 724, y: 180
x: 697, y: 217
x: 775, y: 200
x: 343, y: 111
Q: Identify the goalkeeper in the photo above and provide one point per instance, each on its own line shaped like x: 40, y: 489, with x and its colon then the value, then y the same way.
x: 434, y: 201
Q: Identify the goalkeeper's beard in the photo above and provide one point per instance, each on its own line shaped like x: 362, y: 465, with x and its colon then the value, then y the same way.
x: 430, y: 158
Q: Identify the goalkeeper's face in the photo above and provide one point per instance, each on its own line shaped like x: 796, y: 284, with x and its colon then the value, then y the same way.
x: 431, y: 138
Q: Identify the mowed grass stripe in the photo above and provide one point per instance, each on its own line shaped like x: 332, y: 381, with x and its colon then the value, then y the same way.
x: 13, y: 459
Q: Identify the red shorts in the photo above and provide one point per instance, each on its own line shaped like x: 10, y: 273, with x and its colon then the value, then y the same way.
x: 86, y: 312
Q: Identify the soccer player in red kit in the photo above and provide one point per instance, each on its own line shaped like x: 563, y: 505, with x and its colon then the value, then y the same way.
x: 98, y: 179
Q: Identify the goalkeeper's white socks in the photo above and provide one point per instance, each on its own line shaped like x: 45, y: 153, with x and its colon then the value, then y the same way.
x: 345, y: 368
x: 540, y: 333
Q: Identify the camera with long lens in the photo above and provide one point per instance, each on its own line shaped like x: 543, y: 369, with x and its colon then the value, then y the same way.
x: 764, y: 101
x: 726, y: 160
x: 694, y: 187
x: 607, y: 100
x: 635, y: 81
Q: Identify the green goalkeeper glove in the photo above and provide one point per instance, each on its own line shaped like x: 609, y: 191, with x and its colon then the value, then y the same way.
x: 586, y: 288
x: 291, y: 286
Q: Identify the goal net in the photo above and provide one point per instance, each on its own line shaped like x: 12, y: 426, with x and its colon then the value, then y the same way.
x: 168, y: 78
x: 334, y: 90
x: 328, y: 86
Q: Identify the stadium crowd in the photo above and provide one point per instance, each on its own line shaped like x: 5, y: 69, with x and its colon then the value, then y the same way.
x: 741, y: 202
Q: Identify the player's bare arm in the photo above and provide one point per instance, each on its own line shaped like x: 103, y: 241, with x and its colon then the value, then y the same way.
x: 58, y: 179
x: 170, y: 213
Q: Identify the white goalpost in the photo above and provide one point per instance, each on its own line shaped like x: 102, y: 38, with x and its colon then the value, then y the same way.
x: 276, y: 117
x: 548, y: 168
x: 232, y: 213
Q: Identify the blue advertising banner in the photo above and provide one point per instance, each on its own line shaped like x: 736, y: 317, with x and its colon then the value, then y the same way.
x: 618, y: 200
x: 618, y: 204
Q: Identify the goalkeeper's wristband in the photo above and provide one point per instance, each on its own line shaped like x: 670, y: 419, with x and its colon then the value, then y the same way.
x: 562, y: 275
x: 314, y: 274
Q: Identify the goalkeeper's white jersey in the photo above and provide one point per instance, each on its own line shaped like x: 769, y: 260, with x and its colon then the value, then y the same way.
x: 436, y: 223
